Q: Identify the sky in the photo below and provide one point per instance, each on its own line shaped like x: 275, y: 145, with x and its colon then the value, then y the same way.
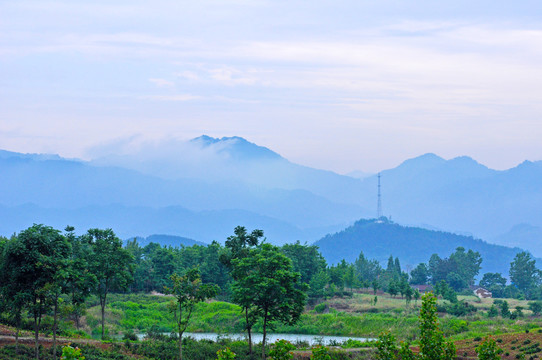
x: 339, y: 85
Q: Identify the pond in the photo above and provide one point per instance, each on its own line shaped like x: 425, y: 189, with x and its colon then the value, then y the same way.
x: 271, y: 338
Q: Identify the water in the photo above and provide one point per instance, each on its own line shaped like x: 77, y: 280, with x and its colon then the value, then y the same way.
x: 271, y: 338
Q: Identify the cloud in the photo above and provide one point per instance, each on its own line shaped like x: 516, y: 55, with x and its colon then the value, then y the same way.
x: 179, y: 97
x: 162, y: 82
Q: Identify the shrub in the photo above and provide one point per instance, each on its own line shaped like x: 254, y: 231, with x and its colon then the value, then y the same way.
x: 488, y: 350
x: 282, y: 350
x: 225, y: 354
x: 320, y: 353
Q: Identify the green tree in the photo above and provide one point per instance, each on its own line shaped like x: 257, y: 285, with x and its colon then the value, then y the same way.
x: 417, y: 296
x: 80, y: 280
x: 306, y: 260
x: 32, y: 264
x: 188, y: 290
x: 505, y: 309
x: 110, y: 263
x: 433, y: 345
x: 488, y: 350
x: 238, y: 247
x: 524, y: 274
x: 494, y: 282
x: 266, y: 281
x: 386, y: 348
x: 419, y: 275
x: 535, y: 307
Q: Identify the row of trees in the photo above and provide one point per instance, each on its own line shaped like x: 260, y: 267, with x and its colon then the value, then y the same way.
x: 41, y: 264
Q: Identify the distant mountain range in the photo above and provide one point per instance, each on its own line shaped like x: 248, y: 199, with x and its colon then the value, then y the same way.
x: 379, y: 240
x: 203, y: 188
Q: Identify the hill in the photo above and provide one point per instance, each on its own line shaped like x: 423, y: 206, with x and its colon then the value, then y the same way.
x: 167, y: 240
x: 412, y: 245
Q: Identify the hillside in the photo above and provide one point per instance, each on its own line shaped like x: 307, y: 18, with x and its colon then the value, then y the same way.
x: 410, y: 244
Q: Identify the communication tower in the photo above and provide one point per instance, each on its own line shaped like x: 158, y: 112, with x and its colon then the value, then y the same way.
x: 379, y: 205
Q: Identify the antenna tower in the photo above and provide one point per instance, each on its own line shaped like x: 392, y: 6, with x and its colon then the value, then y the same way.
x: 379, y: 206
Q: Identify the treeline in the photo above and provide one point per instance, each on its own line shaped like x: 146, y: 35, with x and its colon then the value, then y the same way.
x: 42, y: 267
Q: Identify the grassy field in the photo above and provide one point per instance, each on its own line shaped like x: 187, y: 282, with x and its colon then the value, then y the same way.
x: 357, y: 316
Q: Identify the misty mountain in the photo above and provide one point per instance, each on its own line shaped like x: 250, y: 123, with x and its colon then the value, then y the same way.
x: 74, y: 184
x: 232, y: 175
x: 379, y: 240
x: 524, y: 236
x: 460, y: 195
x: 130, y: 221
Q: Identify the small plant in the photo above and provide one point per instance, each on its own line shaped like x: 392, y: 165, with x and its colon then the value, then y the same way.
x: 225, y: 354
x: 320, y: 308
x: 488, y: 350
x: 282, y: 350
x: 71, y: 353
x: 386, y: 346
x: 320, y: 353
x: 478, y: 338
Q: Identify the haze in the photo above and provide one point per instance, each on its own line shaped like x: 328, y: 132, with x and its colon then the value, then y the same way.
x: 348, y: 85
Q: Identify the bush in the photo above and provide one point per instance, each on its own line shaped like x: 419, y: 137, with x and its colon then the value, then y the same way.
x: 320, y: 308
x: 282, y: 350
x: 320, y: 353
x: 225, y: 354
x: 488, y: 350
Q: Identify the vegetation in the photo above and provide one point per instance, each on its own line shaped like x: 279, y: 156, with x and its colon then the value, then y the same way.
x: 60, y: 284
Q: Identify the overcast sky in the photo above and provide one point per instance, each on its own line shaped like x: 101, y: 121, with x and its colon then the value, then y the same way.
x: 339, y: 85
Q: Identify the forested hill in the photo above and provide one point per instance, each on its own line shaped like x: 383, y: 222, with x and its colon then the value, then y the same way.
x: 412, y: 245
x: 167, y: 240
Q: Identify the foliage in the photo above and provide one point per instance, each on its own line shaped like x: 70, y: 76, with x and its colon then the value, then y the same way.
x: 386, y: 347
x: 524, y: 274
x: 71, y: 353
x: 432, y: 343
x: 225, y: 354
x: 266, y: 282
x: 488, y: 350
x: 320, y: 353
x: 110, y: 263
x: 282, y: 350
x: 188, y: 290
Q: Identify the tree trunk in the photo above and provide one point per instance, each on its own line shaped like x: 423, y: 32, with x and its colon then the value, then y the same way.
x: 17, y: 329
x: 102, y: 304
x: 55, y: 324
x: 180, y: 346
x: 249, y: 332
x: 264, y: 335
x: 37, y: 323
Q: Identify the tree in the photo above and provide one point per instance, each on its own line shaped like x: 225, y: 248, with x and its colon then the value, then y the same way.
x: 32, y: 263
x: 306, y: 260
x: 488, y: 350
x: 188, y: 290
x: 238, y: 247
x: 524, y: 274
x: 267, y: 282
x: 110, y: 263
x: 494, y: 282
x: 535, y: 307
x: 80, y: 280
x: 419, y: 275
x: 433, y: 346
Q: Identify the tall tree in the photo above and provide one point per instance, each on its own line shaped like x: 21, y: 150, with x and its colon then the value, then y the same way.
x: 271, y: 285
x: 32, y: 264
x: 524, y: 274
x: 188, y: 290
x: 110, y: 263
x: 238, y: 247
